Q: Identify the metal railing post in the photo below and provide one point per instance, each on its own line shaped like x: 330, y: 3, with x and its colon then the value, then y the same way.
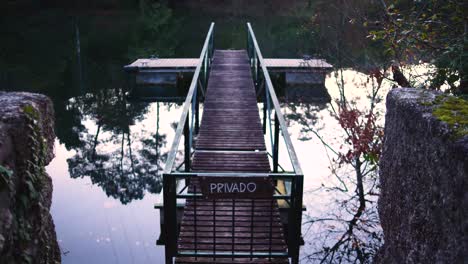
x: 265, y: 109
x: 291, y: 223
x: 276, y: 145
x: 197, y: 113
x: 264, y: 117
x: 212, y: 46
x: 254, y: 62
x: 257, y: 71
x: 249, y: 53
x: 295, y: 218
x: 170, y: 216
x: 205, y: 64
x: 195, y: 227
x: 187, y: 146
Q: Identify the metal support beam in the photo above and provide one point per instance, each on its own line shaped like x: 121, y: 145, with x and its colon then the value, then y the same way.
x: 211, y: 46
x: 257, y: 71
x: 201, y: 88
x: 276, y: 145
x: 264, y: 117
x: 265, y: 111
x: 187, y: 147
x: 205, y: 70
x: 197, y: 114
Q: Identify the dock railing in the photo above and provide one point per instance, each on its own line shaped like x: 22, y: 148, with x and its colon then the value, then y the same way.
x: 188, y: 126
x: 271, y: 106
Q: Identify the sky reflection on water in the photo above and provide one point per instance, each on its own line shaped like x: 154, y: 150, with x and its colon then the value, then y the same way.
x: 93, y: 227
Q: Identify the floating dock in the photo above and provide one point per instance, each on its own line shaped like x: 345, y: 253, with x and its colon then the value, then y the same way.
x: 165, y: 71
x: 156, y: 64
x: 189, y: 65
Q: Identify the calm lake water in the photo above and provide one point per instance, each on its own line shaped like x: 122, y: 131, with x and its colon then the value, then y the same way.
x: 110, y: 150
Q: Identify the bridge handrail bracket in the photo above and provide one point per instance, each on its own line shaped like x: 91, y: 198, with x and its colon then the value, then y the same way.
x: 256, y: 55
x: 206, y: 56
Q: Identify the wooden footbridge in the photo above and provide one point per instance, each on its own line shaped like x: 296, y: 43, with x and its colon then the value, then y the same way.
x: 236, y: 208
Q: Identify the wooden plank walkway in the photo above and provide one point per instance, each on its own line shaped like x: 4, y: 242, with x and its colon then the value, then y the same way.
x: 230, y: 140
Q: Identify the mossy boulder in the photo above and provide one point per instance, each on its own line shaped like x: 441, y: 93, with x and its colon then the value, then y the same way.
x: 27, y: 232
x: 423, y: 205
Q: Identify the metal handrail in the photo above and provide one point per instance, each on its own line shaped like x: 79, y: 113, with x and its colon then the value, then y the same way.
x: 184, y: 127
x: 257, y: 55
x: 297, y: 181
x: 204, y: 61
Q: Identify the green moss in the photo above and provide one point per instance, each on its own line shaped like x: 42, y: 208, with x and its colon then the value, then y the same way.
x: 427, y: 103
x: 29, y: 195
x: 454, y: 112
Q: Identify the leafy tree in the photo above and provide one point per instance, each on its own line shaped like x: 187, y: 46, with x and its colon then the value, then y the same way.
x: 432, y: 31
x: 156, y: 32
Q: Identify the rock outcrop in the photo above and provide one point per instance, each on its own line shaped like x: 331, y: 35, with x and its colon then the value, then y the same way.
x: 27, y: 233
x: 423, y: 205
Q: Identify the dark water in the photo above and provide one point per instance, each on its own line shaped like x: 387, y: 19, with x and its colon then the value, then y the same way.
x: 109, y: 150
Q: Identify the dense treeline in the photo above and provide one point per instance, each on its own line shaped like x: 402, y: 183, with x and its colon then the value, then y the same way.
x: 80, y: 4
x: 396, y: 34
x: 212, y: 5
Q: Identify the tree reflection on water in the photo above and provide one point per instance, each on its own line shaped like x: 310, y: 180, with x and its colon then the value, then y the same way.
x: 115, y: 153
